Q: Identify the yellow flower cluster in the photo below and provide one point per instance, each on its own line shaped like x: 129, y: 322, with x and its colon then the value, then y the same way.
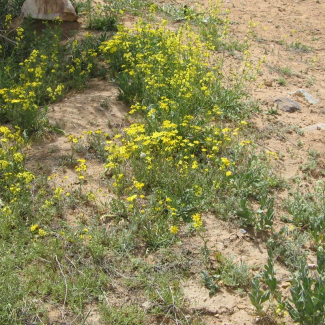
x: 179, y: 143
x: 23, y: 95
x: 182, y: 152
x: 41, y: 77
x: 15, y: 181
x: 41, y: 232
x: 81, y: 168
x: 13, y: 176
x: 197, y: 221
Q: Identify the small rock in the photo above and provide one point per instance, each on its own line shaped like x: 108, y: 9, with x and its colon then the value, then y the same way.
x: 319, y: 126
x: 312, y: 266
x: 268, y: 83
x: 243, y: 231
x: 309, y: 98
x: 287, y: 105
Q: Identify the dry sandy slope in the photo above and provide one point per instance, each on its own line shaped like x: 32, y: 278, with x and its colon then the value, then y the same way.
x: 279, y: 23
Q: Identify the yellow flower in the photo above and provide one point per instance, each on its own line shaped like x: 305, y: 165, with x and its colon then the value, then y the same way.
x: 225, y: 161
x: 138, y: 185
x: 174, y: 230
x: 18, y: 157
x: 33, y: 227
x: 131, y: 198
x: 42, y: 232
x: 228, y: 173
x: 197, y: 221
x: 195, y: 164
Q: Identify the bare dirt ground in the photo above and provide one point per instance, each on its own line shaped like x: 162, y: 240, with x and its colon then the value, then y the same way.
x: 283, y: 28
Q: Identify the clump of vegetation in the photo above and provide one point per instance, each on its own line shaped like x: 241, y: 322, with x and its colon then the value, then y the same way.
x: 287, y: 246
x: 179, y: 162
x: 8, y: 8
x: 299, y: 47
x: 306, y: 304
x: 307, y: 211
x: 227, y: 272
x: 39, y: 72
x: 103, y: 18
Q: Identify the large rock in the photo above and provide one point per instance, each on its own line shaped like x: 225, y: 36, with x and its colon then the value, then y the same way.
x: 309, y: 98
x: 286, y: 104
x: 49, y: 10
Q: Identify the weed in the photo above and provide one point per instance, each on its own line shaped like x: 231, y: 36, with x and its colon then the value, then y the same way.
x: 100, y: 18
x: 106, y: 103
x: 299, y: 47
x: 282, y: 82
x: 280, y: 42
x: 215, y: 31
x: 186, y: 153
x: 258, y: 296
x: 272, y: 111
x: 310, y: 81
x: 307, y: 210
x: 306, y: 304
x: 299, y: 130
x: 287, y: 246
x: 286, y: 71
x: 131, y: 6
x: 227, y: 272
x: 178, y: 13
x: 260, y: 219
x: 210, y: 282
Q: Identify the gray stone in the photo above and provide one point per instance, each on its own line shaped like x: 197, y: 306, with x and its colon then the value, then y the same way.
x: 287, y: 105
x: 319, y: 126
x: 309, y: 98
x: 49, y: 10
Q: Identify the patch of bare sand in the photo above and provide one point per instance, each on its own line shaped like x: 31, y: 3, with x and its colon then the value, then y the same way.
x: 228, y: 305
x: 95, y: 108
